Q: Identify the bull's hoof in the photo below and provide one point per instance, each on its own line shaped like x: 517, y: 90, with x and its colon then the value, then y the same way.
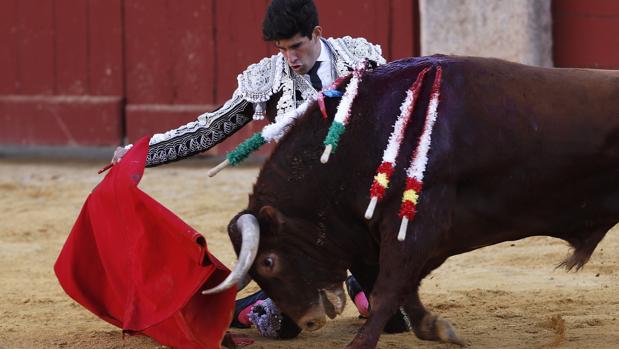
x: 434, y: 328
x: 447, y: 333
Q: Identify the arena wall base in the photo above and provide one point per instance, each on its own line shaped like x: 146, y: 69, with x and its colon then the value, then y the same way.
x: 31, y: 120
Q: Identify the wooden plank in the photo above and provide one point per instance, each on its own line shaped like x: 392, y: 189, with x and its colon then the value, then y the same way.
x: 148, y: 119
x: 105, y: 47
x: 238, y: 42
x: 404, y: 29
x: 35, y: 48
x: 148, y: 52
x: 367, y: 19
x: 193, y: 48
x: 71, y: 49
x: 60, y: 120
x: 185, y: 67
x: 586, y: 36
x: 587, y: 8
x: 8, y: 42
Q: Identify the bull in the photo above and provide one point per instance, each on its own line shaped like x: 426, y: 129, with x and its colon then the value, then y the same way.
x: 516, y: 151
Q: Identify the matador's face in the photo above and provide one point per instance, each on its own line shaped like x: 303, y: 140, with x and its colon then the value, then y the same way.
x: 300, y: 51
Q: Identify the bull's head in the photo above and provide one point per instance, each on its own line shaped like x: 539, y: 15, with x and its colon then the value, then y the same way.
x: 291, y: 263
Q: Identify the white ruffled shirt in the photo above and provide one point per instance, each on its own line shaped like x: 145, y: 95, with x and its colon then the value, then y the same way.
x: 325, y: 71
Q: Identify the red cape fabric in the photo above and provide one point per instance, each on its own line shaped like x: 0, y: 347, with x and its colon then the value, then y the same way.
x: 136, y: 265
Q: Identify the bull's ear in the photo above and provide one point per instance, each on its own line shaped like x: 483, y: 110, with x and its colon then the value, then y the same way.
x: 272, y: 218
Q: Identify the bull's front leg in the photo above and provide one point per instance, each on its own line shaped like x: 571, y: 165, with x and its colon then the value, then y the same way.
x: 392, y: 284
x: 383, y: 304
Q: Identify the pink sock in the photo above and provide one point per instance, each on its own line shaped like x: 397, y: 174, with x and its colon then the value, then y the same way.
x: 361, y: 302
x: 244, y: 314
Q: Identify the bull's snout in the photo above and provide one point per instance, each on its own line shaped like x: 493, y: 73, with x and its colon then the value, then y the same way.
x: 313, y: 319
x: 331, y: 303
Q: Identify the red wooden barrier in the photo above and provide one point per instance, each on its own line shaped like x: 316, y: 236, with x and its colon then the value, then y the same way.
x: 63, y: 70
x: 183, y: 59
x: 71, y: 41
x: 106, y: 69
x: 90, y: 72
x: 100, y: 72
x: 8, y: 42
x: 35, y: 47
x: 586, y: 33
x: 238, y: 43
x: 169, y: 63
x: 60, y: 120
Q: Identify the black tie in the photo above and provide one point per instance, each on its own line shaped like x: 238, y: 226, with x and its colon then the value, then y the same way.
x: 314, y: 79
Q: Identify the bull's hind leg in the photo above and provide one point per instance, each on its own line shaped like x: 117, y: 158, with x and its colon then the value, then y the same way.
x: 583, y: 243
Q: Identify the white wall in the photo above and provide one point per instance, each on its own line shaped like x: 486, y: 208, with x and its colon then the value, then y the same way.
x: 516, y: 30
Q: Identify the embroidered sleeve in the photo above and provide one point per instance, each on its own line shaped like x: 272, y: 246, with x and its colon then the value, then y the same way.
x: 200, y: 135
x: 257, y: 84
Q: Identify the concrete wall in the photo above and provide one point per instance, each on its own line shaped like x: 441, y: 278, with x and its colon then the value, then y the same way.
x: 516, y: 30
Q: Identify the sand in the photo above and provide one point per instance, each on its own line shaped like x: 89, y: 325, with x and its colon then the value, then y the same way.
x: 504, y: 296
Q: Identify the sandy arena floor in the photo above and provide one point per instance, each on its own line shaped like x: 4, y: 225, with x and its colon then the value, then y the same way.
x: 504, y: 296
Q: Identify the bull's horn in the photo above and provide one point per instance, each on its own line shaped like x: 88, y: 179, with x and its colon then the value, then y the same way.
x: 215, y: 170
x: 250, y: 232
x: 243, y: 282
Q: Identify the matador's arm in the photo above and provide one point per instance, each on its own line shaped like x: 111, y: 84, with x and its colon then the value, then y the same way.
x: 201, y: 135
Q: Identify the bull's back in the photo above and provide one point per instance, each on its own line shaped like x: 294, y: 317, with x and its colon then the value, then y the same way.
x: 532, y: 148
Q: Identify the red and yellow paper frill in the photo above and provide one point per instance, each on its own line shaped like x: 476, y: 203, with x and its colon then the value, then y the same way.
x: 381, y: 180
x: 410, y: 198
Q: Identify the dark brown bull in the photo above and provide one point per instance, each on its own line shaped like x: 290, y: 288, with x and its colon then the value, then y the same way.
x: 517, y: 151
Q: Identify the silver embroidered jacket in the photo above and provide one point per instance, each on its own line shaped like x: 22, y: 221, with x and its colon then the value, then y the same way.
x: 270, y: 81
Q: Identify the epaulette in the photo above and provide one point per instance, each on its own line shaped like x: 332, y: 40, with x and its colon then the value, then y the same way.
x: 350, y: 51
x: 260, y: 80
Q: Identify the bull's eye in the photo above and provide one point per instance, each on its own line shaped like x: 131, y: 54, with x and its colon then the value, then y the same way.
x: 268, y: 262
x: 268, y: 265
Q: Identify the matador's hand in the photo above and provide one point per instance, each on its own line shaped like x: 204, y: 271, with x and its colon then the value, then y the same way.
x: 119, y: 153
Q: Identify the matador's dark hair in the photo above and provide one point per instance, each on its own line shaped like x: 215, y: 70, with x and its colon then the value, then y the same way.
x: 286, y: 18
